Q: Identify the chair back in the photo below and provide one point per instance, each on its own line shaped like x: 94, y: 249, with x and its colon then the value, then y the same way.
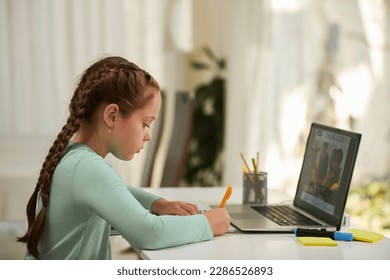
x: 179, y: 141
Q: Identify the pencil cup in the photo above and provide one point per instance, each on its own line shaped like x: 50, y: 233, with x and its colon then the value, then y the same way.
x: 255, y: 188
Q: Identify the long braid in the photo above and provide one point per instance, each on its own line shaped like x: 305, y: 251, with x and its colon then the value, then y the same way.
x: 36, y: 224
x: 107, y: 81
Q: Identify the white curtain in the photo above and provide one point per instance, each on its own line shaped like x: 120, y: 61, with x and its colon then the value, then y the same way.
x: 265, y: 75
x: 46, y: 44
x: 294, y: 62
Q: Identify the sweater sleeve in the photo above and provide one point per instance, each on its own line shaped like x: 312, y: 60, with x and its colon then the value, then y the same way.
x: 99, y: 190
x: 145, y: 198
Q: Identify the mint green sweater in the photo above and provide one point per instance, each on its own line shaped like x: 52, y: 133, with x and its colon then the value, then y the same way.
x: 87, y: 197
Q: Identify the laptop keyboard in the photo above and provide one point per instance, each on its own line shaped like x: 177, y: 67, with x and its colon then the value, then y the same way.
x: 284, y: 215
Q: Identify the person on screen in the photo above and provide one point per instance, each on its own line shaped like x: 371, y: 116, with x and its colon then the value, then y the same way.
x: 320, y: 165
x: 79, y: 196
x: 331, y: 181
x: 323, y: 161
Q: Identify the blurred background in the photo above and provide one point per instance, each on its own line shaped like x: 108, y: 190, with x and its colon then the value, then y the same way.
x: 260, y: 71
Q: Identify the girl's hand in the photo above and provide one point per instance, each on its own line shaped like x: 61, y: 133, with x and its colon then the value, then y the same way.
x: 164, y: 207
x: 219, y: 220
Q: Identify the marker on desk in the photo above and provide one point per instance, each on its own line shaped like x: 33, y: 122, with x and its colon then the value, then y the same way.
x: 335, y: 235
x: 226, y: 197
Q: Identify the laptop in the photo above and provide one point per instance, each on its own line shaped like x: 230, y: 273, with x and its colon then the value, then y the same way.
x: 322, y: 189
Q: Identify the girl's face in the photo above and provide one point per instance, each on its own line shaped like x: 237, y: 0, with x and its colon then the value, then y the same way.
x: 131, y: 132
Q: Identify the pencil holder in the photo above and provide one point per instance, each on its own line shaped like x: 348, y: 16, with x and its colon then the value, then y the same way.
x: 255, y: 188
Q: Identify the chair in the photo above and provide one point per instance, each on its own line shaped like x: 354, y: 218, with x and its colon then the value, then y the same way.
x: 154, y: 145
x: 179, y: 141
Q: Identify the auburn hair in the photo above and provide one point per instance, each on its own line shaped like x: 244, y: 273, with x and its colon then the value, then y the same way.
x: 110, y: 80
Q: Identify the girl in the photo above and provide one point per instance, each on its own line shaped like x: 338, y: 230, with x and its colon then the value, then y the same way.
x: 78, y: 196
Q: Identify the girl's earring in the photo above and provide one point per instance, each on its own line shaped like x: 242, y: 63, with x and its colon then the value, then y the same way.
x: 109, y: 130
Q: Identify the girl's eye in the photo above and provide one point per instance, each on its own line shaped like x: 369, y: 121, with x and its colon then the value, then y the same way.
x: 146, y: 125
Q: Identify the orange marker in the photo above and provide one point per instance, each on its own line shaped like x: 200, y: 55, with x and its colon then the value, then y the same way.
x: 226, y: 197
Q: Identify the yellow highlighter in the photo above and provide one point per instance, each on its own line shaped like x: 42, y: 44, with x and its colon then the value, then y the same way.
x: 226, y: 197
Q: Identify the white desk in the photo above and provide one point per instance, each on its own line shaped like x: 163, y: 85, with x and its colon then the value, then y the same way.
x: 239, y: 246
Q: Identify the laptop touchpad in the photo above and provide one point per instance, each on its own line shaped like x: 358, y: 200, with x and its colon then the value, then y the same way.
x: 255, y: 224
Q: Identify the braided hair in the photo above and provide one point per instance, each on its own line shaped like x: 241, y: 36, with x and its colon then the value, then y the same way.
x: 109, y: 80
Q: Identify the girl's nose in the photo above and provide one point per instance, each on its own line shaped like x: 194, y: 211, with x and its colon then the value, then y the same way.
x: 148, y: 137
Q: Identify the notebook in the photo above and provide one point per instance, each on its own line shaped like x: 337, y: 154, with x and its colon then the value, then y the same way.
x: 322, y: 188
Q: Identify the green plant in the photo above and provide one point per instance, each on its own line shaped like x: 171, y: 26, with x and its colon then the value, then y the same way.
x: 369, y: 206
x: 204, y: 160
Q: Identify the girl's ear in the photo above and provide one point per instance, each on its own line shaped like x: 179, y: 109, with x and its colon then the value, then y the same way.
x: 110, y: 115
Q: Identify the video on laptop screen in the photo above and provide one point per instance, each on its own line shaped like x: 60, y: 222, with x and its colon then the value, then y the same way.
x: 323, y: 170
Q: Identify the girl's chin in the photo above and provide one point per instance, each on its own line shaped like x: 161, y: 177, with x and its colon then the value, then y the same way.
x: 130, y: 157
x: 126, y: 158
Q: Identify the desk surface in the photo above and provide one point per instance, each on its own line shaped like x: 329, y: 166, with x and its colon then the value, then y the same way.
x: 238, y: 246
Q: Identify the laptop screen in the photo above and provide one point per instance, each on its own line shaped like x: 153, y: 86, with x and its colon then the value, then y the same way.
x: 327, y: 172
